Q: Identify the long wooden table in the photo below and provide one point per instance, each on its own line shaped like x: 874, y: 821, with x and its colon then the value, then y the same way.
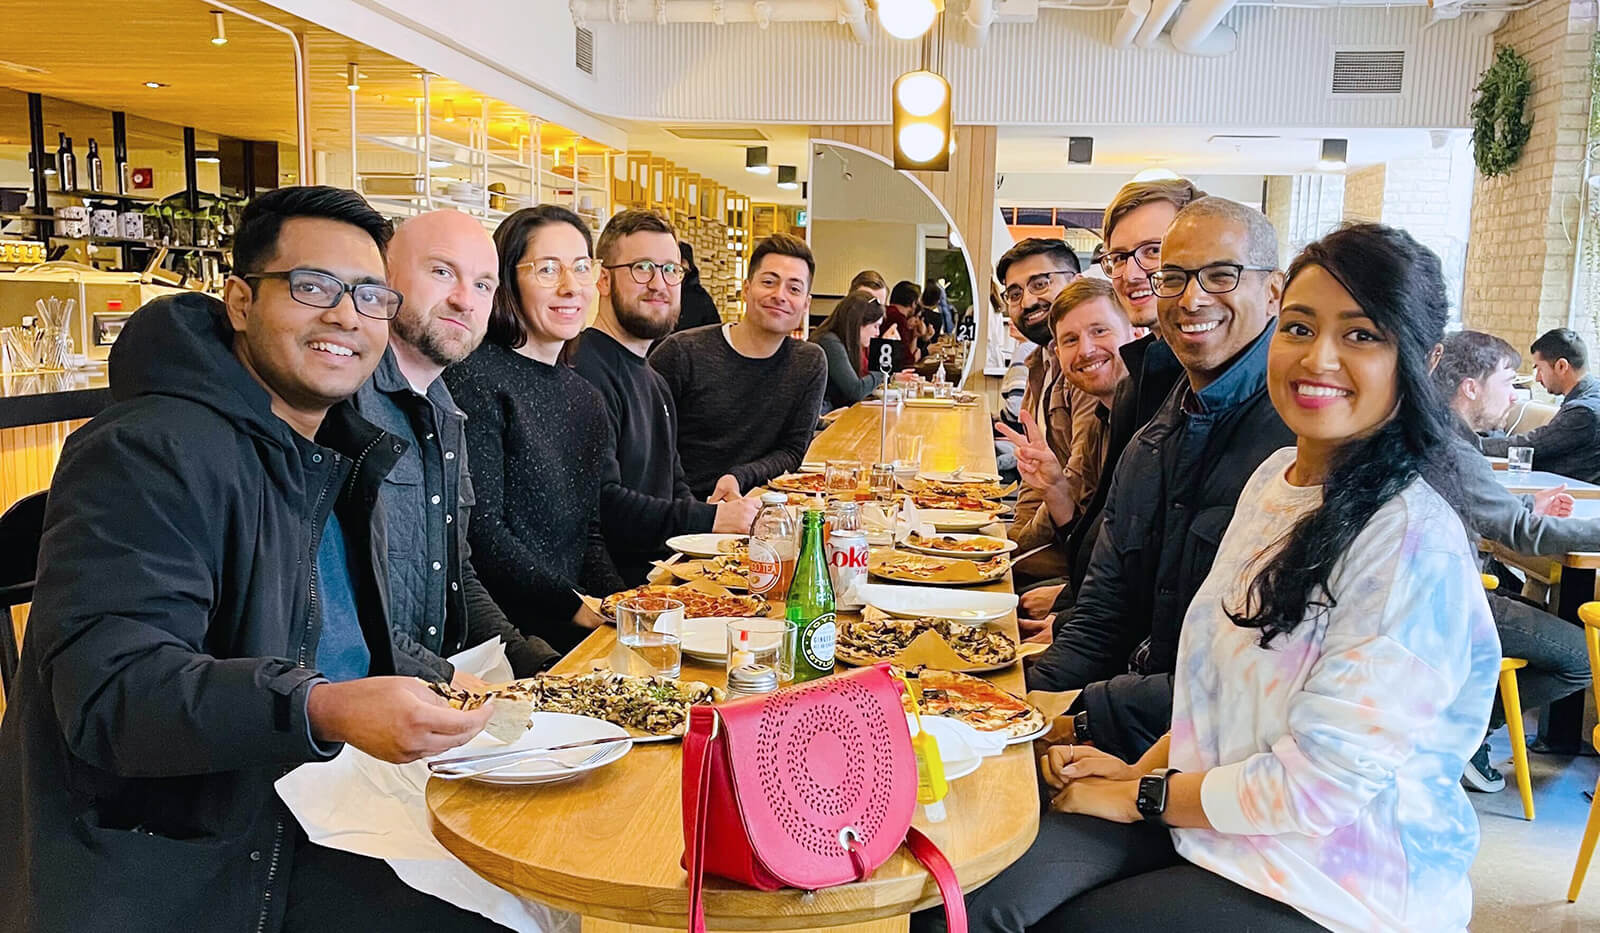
x: 607, y: 845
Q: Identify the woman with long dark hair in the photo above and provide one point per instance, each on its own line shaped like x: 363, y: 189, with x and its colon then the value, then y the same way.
x: 537, y: 433
x: 1335, y: 670
x: 844, y: 336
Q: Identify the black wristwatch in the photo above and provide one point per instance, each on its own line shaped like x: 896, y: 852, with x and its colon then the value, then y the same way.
x: 1152, y: 800
x: 1080, y: 728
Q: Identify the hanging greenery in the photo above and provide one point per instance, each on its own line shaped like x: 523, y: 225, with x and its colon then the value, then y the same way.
x: 1500, y: 127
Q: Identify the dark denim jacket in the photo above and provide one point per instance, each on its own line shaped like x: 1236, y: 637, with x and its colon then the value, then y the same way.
x: 1570, y: 443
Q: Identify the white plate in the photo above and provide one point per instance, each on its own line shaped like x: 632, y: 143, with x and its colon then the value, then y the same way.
x: 965, y: 476
x: 953, y: 519
x: 547, y: 729
x: 910, y: 602
x: 1008, y: 547
x: 703, y: 545
x: 706, y: 639
x: 813, y: 466
x: 1032, y: 735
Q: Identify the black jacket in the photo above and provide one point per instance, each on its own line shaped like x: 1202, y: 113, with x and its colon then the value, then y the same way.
x: 172, y: 640
x: 1171, y: 499
x: 1570, y: 443
x: 696, y: 309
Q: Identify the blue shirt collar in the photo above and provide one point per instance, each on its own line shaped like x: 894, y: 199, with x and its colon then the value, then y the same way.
x: 1239, y: 382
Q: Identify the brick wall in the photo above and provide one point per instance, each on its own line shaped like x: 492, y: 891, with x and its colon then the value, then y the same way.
x: 1303, y: 208
x: 1363, y: 194
x: 1520, y: 253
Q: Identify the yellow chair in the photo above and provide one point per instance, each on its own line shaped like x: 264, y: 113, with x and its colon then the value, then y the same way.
x: 1590, y: 614
x: 1511, y: 702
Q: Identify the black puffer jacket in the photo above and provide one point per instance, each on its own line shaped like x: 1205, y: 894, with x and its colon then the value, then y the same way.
x: 172, y: 642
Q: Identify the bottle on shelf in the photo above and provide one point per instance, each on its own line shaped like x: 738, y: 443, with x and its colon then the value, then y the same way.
x: 93, y: 167
x: 809, y: 606
x: 66, y: 165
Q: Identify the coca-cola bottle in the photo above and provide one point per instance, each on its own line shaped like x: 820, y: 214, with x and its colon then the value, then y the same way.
x: 774, y: 545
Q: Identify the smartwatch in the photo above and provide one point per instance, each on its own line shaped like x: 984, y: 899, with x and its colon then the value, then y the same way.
x: 1080, y: 728
x: 1152, y: 800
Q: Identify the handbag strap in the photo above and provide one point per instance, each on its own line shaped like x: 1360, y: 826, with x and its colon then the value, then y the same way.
x: 955, y: 906
x: 697, y: 839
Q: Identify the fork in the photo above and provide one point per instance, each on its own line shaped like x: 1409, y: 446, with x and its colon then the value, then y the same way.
x: 594, y: 756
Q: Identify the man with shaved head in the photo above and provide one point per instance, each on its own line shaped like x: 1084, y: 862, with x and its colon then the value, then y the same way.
x: 444, y: 264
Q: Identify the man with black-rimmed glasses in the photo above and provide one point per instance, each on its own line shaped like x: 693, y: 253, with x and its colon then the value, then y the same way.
x: 644, y: 499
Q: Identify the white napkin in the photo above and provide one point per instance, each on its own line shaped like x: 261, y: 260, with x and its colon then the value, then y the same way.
x: 957, y: 740
x: 360, y: 804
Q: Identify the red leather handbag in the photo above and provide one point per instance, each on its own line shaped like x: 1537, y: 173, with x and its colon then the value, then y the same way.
x: 810, y: 787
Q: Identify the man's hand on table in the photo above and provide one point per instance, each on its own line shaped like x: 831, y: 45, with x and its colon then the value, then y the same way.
x: 1034, y: 627
x: 1556, y: 503
x: 727, y: 488
x: 587, y: 618
x: 736, y: 515
x: 394, y: 719
x: 1036, y: 602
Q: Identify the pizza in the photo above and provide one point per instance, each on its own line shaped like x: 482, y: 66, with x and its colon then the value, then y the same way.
x: 924, y: 568
x: 697, y: 603
x: 970, y: 544
x: 645, y: 706
x: 976, y: 489
x: 868, y: 641
x: 965, y: 503
x: 974, y: 701
x: 731, y: 571
x: 813, y: 483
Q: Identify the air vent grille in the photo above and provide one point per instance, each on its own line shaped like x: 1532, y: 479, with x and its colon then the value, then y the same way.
x: 1368, y: 72
x: 585, y: 59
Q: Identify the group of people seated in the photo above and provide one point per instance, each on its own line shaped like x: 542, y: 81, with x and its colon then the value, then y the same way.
x: 911, y: 318
x: 1259, y: 488
x: 1261, y: 492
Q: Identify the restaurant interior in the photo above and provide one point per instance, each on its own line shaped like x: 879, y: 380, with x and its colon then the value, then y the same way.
x: 134, y: 134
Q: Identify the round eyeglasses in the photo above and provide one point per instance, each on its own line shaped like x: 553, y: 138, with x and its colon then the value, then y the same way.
x: 645, y: 269
x: 1038, y: 284
x: 1146, y: 256
x: 1217, y: 278
x: 547, y: 272
x: 323, y: 290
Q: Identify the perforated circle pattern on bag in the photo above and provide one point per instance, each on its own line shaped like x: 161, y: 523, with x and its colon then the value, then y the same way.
x: 819, y: 767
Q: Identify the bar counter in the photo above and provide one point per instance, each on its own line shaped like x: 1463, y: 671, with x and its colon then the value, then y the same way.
x: 37, y: 412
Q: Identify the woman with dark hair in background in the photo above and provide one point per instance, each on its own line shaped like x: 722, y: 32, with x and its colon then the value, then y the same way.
x: 536, y: 431
x: 1335, y: 670
x: 698, y: 309
x: 844, y: 336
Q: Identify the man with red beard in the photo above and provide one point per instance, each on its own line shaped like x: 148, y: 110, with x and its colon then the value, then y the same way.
x: 445, y: 265
x: 644, y: 499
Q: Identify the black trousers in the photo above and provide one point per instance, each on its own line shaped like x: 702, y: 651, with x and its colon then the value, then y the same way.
x: 332, y: 890
x: 1084, y: 874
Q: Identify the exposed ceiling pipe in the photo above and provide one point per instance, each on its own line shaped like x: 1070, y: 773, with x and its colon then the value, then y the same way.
x: 853, y: 13
x: 1196, y: 23
x: 1160, y: 14
x: 1223, y: 40
x: 979, y: 17
x: 1127, y: 27
x: 760, y: 12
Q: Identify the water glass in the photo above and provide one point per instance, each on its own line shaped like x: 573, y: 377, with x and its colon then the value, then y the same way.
x: 1519, y: 460
x: 763, y: 641
x: 842, y: 476
x: 649, y: 633
x: 907, y: 453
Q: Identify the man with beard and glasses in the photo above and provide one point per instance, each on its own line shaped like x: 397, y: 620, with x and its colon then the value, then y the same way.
x: 1034, y: 272
x: 445, y: 264
x: 644, y: 499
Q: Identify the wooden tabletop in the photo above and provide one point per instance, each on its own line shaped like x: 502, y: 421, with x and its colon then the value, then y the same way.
x: 607, y: 845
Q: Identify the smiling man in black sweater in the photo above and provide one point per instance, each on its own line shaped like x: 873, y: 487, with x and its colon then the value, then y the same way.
x: 644, y: 498
x: 748, y: 393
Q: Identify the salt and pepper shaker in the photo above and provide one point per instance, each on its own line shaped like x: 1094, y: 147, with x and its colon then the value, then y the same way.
x: 752, y: 680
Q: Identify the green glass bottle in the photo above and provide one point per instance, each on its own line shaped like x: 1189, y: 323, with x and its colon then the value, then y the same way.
x: 810, y: 604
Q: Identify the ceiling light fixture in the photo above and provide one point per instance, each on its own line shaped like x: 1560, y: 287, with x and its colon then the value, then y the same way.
x: 221, y: 37
x: 208, y: 155
x: 788, y: 177
x: 922, y: 136
x: 153, y: 85
x: 1333, y: 155
x: 755, y: 160
x: 908, y: 19
x: 352, y: 81
x: 1156, y: 174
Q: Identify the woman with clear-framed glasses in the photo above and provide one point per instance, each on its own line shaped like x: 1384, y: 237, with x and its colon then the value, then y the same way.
x: 537, y: 433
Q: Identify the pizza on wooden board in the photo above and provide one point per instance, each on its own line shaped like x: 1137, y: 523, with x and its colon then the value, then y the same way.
x: 977, y: 489
x: 814, y: 483
x: 697, y: 603
x: 917, y: 568
x: 974, y: 701
x: 973, y: 544
x: 644, y: 706
x: 870, y: 640
x: 935, y: 500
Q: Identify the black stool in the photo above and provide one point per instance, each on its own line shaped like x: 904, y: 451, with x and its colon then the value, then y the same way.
x: 20, y: 529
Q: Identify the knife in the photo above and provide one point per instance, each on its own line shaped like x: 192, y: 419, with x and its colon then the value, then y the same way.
x: 450, y: 764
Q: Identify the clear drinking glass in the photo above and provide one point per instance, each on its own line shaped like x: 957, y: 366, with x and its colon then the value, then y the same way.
x: 907, y: 453
x: 881, y: 480
x: 842, y: 476
x: 1519, y: 460
x: 649, y: 632
x: 762, y: 641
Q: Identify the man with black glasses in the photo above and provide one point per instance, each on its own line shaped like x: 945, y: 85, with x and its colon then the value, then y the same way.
x: 644, y: 499
x: 1175, y: 487
x: 209, y: 611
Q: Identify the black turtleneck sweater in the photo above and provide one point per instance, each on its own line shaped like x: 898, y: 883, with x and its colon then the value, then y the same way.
x: 540, y: 443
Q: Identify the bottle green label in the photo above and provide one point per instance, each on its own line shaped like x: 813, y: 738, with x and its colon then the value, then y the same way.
x: 816, y: 641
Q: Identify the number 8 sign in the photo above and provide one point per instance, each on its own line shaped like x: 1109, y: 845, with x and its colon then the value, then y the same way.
x: 881, y: 353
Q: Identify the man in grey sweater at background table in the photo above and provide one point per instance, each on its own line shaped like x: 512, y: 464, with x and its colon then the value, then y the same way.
x: 748, y: 393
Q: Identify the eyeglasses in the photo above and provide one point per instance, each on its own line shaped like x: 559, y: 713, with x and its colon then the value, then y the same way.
x: 645, y: 269
x: 1146, y: 256
x: 547, y: 272
x: 321, y: 290
x: 1037, y: 285
x: 1217, y: 278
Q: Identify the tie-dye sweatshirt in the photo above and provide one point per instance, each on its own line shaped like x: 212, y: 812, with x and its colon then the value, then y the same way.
x: 1333, y: 758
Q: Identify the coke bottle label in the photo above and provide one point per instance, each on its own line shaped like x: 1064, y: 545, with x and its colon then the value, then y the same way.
x: 817, y: 641
x: 765, y: 566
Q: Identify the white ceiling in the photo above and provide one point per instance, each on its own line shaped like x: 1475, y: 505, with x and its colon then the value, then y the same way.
x: 1199, y: 151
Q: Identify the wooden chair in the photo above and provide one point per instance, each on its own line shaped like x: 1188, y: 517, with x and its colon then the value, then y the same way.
x: 1511, y: 702
x: 20, y: 529
x: 1590, y: 614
